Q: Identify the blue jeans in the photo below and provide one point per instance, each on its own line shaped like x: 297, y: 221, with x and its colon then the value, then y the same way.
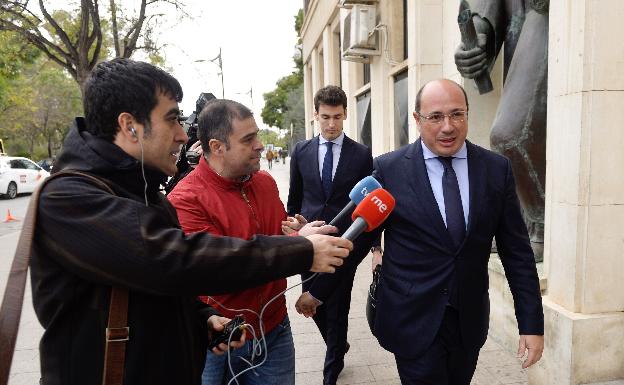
x: 278, y: 369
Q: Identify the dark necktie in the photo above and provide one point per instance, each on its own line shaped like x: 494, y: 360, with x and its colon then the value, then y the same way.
x: 328, y: 164
x: 455, y: 222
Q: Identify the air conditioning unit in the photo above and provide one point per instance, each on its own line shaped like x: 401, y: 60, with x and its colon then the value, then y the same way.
x: 359, y: 41
x: 351, y: 3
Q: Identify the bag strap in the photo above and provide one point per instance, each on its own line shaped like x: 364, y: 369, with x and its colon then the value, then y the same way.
x: 11, y: 308
x: 117, y: 334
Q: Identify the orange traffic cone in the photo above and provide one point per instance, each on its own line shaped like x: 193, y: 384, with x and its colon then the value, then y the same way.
x: 10, y: 217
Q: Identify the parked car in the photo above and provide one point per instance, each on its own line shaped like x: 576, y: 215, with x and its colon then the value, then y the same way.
x: 19, y: 175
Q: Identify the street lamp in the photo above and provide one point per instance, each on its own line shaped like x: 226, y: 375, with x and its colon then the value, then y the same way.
x: 217, y: 60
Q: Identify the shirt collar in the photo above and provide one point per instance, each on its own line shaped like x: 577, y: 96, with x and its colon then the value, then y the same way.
x: 428, y: 154
x: 337, y: 141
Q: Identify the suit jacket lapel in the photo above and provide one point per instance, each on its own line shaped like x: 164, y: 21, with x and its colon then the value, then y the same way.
x: 477, y: 183
x: 343, y: 163
x: 312, y: 156
x: 419, y: 181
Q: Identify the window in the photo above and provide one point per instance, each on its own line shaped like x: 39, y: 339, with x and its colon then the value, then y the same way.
x: 17, y: 163
x: 337, y: 55
x: 30, y: 165
x: 366, y: 74
x: 401, y: 110
x: 364, y: 118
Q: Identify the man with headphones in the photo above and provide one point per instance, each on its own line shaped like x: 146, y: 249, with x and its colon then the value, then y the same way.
x: 88, y: 240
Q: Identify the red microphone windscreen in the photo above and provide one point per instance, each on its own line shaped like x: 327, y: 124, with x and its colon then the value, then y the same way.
x: 375, y: 208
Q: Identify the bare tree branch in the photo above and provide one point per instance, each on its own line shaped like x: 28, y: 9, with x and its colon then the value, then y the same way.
x: 18, y: 17
x: 59, y: 31
x: 41, y: 43
x: 179, y: 6
x: 133, y: 34
x: 113, y: 10
x: 78, y: 51
x: 9, y: 5
x: 96, y: 35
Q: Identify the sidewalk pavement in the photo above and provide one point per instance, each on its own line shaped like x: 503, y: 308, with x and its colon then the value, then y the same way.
x: 366, y: 362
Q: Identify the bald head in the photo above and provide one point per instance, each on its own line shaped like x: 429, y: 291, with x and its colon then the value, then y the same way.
x: 436, y: 84
x: 442, y: 116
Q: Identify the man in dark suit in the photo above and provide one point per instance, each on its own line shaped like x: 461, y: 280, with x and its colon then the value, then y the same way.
x: 323, y: 170
x: 452, y: 198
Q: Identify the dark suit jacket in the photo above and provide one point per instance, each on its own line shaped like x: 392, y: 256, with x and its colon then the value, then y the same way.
x: 419, y: 261
x: 306, y: 196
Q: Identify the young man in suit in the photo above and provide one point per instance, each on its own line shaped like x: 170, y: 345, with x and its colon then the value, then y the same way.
x: 452, y: 198
x: 323, y: 170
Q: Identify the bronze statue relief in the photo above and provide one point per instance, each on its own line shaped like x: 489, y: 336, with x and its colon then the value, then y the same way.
x: 519, y: 128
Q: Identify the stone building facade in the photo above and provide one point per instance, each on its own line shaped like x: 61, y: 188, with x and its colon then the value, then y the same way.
x: 582, y: 275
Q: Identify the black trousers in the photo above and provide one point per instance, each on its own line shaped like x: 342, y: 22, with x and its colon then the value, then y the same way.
x: 446, y: 362
x: 332, y: 320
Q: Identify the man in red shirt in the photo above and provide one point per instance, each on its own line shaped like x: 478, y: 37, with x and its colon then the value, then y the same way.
x: 227, y: 195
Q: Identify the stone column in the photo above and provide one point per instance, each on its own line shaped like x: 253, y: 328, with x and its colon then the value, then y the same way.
x: 317, y: 81
x: 425, y: 29
x: 331, y: 57
x: 584, y: 238
x: 308, y: 99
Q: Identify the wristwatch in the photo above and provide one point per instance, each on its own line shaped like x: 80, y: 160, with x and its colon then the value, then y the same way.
x: 376, y: 248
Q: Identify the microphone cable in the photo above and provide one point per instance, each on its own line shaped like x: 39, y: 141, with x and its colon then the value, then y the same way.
x: 143, y: 167
x: 257, y: 345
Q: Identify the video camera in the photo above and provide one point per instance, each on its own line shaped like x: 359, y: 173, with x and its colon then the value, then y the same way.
x: 187, y: 157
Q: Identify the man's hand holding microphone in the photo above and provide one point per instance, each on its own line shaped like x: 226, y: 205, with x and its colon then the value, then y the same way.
x: 328, y: 251
x: 372, y: 210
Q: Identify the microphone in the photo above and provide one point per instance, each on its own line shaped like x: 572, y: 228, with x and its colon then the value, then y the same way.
x: 358, y: 192
x: 370, y: 213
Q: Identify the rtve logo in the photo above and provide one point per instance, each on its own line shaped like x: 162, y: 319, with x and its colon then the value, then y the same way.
x: 380, y: 205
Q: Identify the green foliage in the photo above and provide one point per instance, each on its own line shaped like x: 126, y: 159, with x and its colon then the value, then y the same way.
x: 295, y: 115
x: 41, y: 104
x: 275, y: 102
x: 298, y: 58
x: 271, y: 137
x: 15, y: 53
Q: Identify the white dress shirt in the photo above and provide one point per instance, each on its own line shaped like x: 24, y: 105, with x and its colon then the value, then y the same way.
x: 322, y: 149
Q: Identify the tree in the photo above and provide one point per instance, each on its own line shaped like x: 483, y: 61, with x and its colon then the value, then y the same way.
x: 56, y: 100
x: 270, y: 137
x: 40, y: 105
x: 285, y: 104
x: 76, y: 43
x: 295, y: 115
x: 275, y: 102
x: 15, y: 54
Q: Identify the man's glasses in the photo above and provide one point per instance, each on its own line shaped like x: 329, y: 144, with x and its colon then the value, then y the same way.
x: 438, y: 117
